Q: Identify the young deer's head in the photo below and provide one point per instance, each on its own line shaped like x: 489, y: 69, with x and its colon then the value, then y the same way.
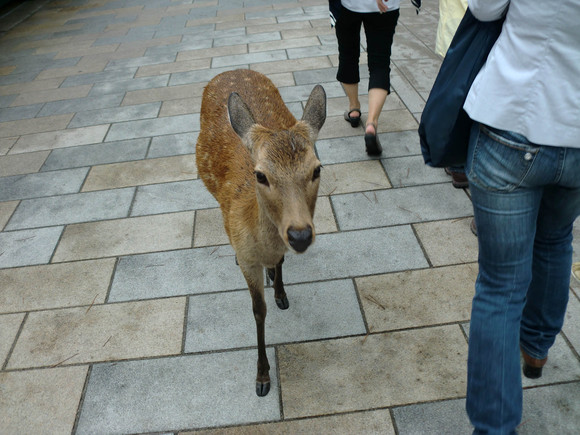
x: 286, y: 169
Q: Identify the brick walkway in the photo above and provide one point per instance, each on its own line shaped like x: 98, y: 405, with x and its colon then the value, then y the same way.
x: 121, y: 307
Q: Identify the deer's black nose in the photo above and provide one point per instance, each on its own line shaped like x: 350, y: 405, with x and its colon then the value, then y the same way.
x: 300, y: 240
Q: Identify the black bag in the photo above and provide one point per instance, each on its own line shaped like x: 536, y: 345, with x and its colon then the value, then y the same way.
x: 444, y: 127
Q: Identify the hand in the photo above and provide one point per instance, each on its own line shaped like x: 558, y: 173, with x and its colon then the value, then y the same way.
x: 382, y: 6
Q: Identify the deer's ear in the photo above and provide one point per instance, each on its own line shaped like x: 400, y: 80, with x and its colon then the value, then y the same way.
x: 315, y: 110
x: 241, y: 118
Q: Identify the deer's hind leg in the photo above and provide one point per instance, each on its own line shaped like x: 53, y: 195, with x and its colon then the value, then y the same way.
x: 255, y: 278
x: 275, y: 275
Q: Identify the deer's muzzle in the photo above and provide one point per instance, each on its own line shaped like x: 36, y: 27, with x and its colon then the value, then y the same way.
x: 300, y: 240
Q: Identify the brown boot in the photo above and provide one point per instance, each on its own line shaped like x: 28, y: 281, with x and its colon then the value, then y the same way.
x: 458, y: 179
x: 533, y: 366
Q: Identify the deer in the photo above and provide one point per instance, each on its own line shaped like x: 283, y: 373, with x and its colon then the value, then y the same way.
x: 260, y: 165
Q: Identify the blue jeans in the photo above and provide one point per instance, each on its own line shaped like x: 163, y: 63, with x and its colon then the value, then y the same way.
x: 525, y: 198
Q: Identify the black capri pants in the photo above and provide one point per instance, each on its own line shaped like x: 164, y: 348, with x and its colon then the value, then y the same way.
x: 379, y: 30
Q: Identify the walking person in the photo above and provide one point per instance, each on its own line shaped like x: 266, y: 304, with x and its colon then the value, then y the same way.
x: 379, y: 19
x: 523, y: 168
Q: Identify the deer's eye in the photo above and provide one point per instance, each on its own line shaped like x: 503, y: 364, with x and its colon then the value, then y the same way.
x: 261, y: 178
x: 316, y: 173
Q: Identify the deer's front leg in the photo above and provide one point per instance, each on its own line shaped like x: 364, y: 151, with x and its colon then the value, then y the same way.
x: 255, y: 279
x: 279, y: 292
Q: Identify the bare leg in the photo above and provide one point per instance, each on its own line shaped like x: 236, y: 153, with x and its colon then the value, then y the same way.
x: 377, y: 98
x: 351, y: 91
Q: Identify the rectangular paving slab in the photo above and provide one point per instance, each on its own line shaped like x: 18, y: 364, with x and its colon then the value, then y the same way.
x: 170, y: 394
x: 212, y: 269
x: 42, y: 184
x: 400, y: 206
x: 100, y: 333
x: 55, y: 285
x: 41, y: 401
x: 28, y: 247
x: 125, y: 236
x: 317, y: 310
x: 170, y: 197
x: 380, y: 370
x: 75, y: 208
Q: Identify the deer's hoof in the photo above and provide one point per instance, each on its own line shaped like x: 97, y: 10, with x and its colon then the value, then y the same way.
x: 262, y: 388
x: 282, y: 303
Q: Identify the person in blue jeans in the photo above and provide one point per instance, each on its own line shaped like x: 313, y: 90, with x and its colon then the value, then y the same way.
x: 523, y: 168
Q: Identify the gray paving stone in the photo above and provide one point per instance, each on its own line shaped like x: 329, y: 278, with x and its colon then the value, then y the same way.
x: 317, y: 311
x: 104, y: 76
x: 406, y: 46
x: 311, y: 13
x: 551, y: 409
x: 302, y: 92
x: 119, y: 86
x: 186, y: 31
x: 68, y: 209
x: 171, y: 394
x: 185, y: 45
x: 172, y: 145
x: 171, y: 197
x: 153, y: 127
x: 379, y: 250
x: 204, y: 270
x: 408, y: 94
x: 319, y: 50
x: 37, y: 63
x: 129, y: 37
x: 269, y: 12
x: 242, y: 59
x: 315, y: 76
x: 42, y: 184
x: 400, y: 206
x: 140, y: 61
x: 412, y: 171
x: 351, y: 149
x: 546, y: 410
x: 191, y: 271
x: 199, y: 76
x: 6, y: 100
x: 247, y: 39
x: 28, y: 247
x: 115, y: 114
x: 421, y: 73
x: 16, y: 77
x: 447, y: 417
x: 91, y: 155
x: 572, y: 322
x: 203, y: 12
x: 81, y: 104
x: 104, y: 19
x: 20, y: 112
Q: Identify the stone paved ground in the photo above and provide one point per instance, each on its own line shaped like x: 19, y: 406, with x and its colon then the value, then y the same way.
x: 121, y: 307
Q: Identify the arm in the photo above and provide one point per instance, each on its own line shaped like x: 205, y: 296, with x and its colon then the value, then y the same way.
x: 488, y: 10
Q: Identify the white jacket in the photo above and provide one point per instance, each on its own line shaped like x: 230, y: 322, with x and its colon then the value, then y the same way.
x: 530, y: 83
